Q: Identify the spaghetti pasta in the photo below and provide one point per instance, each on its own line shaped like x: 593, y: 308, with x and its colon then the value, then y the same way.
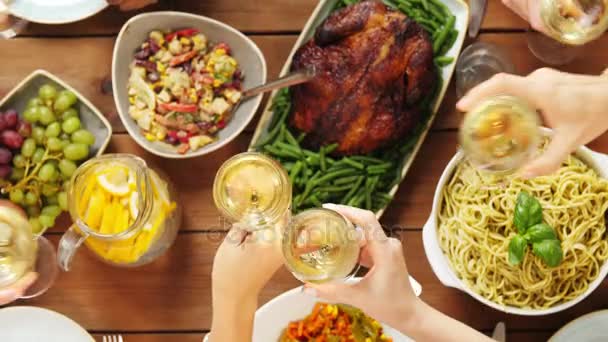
x: 476, y: 225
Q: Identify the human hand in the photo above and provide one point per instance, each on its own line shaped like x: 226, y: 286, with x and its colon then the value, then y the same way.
x: 17, y: 289
x: 385, y: 292
x: 129, y: 5
x: 529, y: 10
x: 245, y: 262
x: 574, y: 106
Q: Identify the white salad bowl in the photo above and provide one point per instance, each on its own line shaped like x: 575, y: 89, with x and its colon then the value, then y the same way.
x: 135, y: 32
x: 447, y: 276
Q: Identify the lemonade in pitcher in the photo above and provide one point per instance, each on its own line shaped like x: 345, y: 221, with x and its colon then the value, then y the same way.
x: 123, y: 211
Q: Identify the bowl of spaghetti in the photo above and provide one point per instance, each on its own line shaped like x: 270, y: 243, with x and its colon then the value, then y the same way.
x: 467, y: 237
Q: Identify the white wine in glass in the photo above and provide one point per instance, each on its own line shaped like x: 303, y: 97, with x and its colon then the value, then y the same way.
x: 320, y: 245
x: 253, y: 189
x: 569, y: 24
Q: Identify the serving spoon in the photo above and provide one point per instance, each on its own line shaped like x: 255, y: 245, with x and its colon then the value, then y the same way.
x: 293, y: 78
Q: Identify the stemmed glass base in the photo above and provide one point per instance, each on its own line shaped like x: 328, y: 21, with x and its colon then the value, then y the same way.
x: 551, y: 51
x: 46, y: 267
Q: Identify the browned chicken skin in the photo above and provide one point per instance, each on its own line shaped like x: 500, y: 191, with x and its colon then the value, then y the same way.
x: 374, y: 66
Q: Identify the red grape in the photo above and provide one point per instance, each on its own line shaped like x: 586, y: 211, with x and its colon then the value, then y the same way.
x: 12, y: 139
x: 5, y: 156
x: 5, y: 171
x: 11, y: 118
x: 2, y: 122
x: 24, y: 129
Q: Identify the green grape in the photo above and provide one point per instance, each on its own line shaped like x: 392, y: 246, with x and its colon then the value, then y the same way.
x: 67, y: 167
x: 46, y: 115
x: 53, y: 130
x: 46, y: 221
x: 19, y: 161
x: 64, y: 100
x: 76, y: 151
x: 54, y: 144
x: 51, y: 200
x: 28, y: 148
x: 35, y: 224
x: 84, y: 137
x: 16, y: 196
x: 48, y: 190
x: 62, y: 198
x: 32, y: 210
x: 38, y: 134
x: 31, y: 114
x: 51, y: 210
x: 38, y: 155
x: 17, y: 174
x: 69, y: 113
x: 31, y: 198
x: 33, y: 102
x: 65, y: 136
x: 71, y: 125
x: 66, y: 185
x: 47, y: 92
x: 55, y: 176
x: 46, y: 172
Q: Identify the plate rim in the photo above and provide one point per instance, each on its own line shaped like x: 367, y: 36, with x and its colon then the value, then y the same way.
x: 572, y: 324
x: 50, y: 312
x: 100, y: 7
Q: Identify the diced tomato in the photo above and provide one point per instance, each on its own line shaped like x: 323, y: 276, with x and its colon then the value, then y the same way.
x: 187, y: 32
x: 177, y: 60
x: 177, y: 107
x: 184, y: 136
x: 224, y: 46
x: 169, y: 36
x: 221, y: 124
x: 172, y: 134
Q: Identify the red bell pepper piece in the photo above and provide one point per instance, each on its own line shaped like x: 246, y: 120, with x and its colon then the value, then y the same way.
x: 169, y: 36
x: 187, y: 32
x: 178, y: 107
x: 177, y: 60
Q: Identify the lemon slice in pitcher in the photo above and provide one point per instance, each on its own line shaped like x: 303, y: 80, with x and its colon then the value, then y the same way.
x: 115, y: 180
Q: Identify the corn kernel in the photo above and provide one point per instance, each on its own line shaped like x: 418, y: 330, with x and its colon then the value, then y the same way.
x: 220, y: 52
x: 150, y: 137
x: 161, y: 135
x: 132, y: 99
x: 217, y: 83
x: 160, y: 67
x: 184, y: 41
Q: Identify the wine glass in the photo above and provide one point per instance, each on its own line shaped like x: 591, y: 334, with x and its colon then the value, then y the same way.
x: 253, y: 189
x: 477, y: 63
x: 320, y: 245
x: 569, y: 24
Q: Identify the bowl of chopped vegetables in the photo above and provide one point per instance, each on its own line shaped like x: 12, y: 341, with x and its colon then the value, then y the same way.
x: 178, y: 80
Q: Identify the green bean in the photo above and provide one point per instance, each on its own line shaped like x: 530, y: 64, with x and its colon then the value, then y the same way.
x: 335, y: 174
x: 315, y: 201
x: 322, y: 159
x: 449, y: 25
x: 346, y: 180
x: 289, y: 148
x: 330, y: 148
x: 295, y: 171
x: 353, y: 163
x: 433, y: 25
x: 301, y: 137
x: 279, y: 153
x: 383, y: 166
x: 442, y: 61
x: 335, y: 188
x: 354, y: 189
x: 290, y: 139
x: 367, y: 160
x: 449, y: 42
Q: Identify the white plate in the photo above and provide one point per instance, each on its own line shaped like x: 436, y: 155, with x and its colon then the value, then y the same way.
x: 55, y: 11
x: 592, y: 327
x: 32, y: 324
x: 293, y: 305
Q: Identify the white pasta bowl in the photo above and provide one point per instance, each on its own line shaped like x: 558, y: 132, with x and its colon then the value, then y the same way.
x: 447, y: 276
x: 245, y: 51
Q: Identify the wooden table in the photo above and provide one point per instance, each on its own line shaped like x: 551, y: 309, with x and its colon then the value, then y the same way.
x: 169, y: 300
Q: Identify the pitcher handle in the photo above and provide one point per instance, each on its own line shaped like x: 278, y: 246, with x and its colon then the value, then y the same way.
x: 68, y: 245
x: 17, y: 27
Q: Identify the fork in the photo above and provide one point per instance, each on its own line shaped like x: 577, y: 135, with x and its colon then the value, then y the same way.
x: 112, y: 338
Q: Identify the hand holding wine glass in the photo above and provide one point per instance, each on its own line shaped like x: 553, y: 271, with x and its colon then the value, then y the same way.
x: 572, y: 105
x: 243, y: 264
x: 17, y: 290
x: 385, y: 292
x: 529, y: 10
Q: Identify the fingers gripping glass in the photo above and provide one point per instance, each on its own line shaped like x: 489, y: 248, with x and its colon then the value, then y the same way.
x: 10, y: 26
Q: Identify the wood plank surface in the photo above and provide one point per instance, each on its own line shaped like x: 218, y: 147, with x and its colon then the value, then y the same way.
x: 173, y: 293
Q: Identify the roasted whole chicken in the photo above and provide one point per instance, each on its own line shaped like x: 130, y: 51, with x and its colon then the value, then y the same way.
x: 374, y: 66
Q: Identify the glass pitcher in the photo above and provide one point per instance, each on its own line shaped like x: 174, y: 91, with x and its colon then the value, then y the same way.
x: 122, y: 210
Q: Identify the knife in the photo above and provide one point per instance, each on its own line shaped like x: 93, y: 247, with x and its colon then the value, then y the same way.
x: 478, y: 12
x: 500, y: 332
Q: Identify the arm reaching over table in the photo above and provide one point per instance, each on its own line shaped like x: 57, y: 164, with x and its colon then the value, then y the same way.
x: 243, y: 264
x: 130, y: 5
x: 574, y: 106
x: 385, y: 292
